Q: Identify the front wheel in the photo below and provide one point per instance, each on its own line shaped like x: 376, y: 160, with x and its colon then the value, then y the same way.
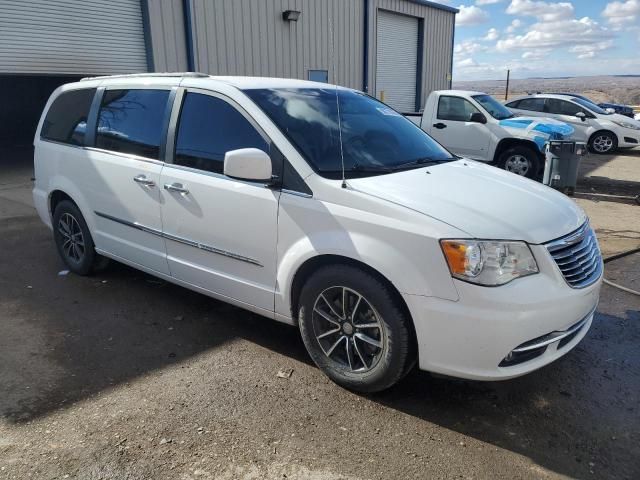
x: 520, y: 160
x: 603, y: 142
x: 354, y: 329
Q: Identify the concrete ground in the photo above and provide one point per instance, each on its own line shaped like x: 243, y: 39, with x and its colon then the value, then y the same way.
x: 122, y: 376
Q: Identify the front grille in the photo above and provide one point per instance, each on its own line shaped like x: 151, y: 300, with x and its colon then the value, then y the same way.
x: 578, y: 257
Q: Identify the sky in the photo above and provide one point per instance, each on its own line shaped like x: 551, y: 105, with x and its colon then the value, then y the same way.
x: 545, y: 38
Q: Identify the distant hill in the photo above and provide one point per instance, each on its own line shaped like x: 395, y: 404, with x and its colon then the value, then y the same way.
x: 605, y: 88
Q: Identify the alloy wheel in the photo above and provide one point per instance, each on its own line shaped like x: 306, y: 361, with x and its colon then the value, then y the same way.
x: 518, y: 164
x: 72, y: 239
x: 348, y: 329
x: 602, y: 143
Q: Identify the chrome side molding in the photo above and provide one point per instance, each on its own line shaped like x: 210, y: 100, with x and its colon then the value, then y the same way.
x: 185, y: 241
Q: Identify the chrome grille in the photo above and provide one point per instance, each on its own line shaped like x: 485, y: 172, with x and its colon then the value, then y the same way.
x: 578, y: 257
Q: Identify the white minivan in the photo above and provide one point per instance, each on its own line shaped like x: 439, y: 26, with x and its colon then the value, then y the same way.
x: 321, y: 207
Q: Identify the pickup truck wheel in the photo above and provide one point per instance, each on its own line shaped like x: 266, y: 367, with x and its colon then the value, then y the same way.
x: 520, y: 160
x: 354, y: 329
x: 73, y: 240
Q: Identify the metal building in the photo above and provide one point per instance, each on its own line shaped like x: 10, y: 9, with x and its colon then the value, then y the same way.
x: 397, y: 50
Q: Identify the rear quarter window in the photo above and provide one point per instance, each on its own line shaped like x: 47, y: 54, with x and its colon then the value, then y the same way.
x: 132, y: 121
x: 66, y: 120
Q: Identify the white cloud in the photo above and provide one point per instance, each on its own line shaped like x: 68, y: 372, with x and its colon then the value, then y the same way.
x: 557, y: 34
x: 468, y: 47
x: 622, y: 12
x: 465, y: 63
x: 515, y: 24
x: 543, y: 11
x: 487, y: 2
x: 471, y: 15
x: 536, y: 54
x: 590, y: 50
x: 491, y: 35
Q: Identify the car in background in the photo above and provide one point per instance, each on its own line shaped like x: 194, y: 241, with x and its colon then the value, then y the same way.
x: 603, y: 131
x: 625, y: 110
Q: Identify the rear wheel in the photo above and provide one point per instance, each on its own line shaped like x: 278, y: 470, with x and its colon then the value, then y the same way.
x: 520, y: 160
x: 354, y: 329
x: 73, y: 240
x: 603, y: 142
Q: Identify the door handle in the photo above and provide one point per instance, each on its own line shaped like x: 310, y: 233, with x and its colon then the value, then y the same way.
x: 176, y: 187
x: 143, y: 180
x: 439, y: 126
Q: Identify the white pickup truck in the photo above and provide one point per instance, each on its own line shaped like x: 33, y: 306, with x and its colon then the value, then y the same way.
x: 475, y: 125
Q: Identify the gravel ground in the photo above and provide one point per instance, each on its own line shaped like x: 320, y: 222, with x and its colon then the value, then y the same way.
x: 122, y: 376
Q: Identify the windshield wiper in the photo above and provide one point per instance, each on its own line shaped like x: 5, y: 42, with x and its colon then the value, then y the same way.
x: 420, y: 162
x: 369, y: 168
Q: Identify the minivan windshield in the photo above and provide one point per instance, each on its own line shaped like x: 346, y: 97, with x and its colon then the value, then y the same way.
x: 493, y: 107
x: 373, y: 138
x: 590, y: 106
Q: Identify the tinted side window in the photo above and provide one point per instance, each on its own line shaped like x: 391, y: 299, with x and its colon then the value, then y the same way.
x: 208, y: 128
x: 131, y: 121
x: 561, y: 107
x: 532, y: 104
x: 512, y: 104
x: 455, y: 108
x: 66, y: 120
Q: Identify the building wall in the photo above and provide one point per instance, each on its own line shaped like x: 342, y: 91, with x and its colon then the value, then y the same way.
x: 249, y: 37
x: 166, y: 27
x: 438, y: 30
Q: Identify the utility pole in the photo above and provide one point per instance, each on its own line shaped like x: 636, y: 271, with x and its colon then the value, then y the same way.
x: 506, y: 89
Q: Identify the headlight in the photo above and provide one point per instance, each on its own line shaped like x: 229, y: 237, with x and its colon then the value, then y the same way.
x: 487, y: 262
x: 624, y: 124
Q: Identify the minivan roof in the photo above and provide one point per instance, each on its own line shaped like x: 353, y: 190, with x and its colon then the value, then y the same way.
x: 242, y: 83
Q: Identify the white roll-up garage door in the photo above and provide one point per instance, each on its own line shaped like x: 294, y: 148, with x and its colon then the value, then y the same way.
x: 71, y: 37
x: 397, y: 60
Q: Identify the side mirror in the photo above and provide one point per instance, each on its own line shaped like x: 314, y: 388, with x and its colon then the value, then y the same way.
x: 477, y: 117
x: 581, y: 116
x: 249, y: 164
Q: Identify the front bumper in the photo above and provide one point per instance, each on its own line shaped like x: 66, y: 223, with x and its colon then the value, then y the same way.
x: 629, y: 139
x: 471, y: 338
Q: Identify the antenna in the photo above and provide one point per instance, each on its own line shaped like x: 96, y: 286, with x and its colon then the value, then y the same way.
x: 333, y: 68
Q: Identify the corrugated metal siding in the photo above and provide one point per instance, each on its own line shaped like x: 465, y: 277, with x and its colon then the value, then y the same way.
x: 397, y: 60
x: 166, y: 19
x: 438, y: 42
x: 71, y: 37
x: 249, y: 37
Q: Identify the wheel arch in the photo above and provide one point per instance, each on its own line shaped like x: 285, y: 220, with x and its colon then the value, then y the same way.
x: 507, y: 143
x: 311, y: 265
x: 604, y: 130
x: 57, y: 196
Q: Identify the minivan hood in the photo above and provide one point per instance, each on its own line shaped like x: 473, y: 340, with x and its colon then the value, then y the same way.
x: 481, y: 200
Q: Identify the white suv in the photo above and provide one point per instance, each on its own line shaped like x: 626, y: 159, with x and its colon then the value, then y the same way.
x: 320, y: 207
x: 604, y: 131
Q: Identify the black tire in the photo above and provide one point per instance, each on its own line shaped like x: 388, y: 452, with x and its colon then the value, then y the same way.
x: 603, y: 142
x: 521, y: 160
x: 368, y: 368
x: 73, y: 240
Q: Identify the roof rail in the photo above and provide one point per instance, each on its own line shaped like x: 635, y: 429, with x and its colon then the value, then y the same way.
x: 143, y: 75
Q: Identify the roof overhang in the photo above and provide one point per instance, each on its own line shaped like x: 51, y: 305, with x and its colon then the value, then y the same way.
x: 439, y: 6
